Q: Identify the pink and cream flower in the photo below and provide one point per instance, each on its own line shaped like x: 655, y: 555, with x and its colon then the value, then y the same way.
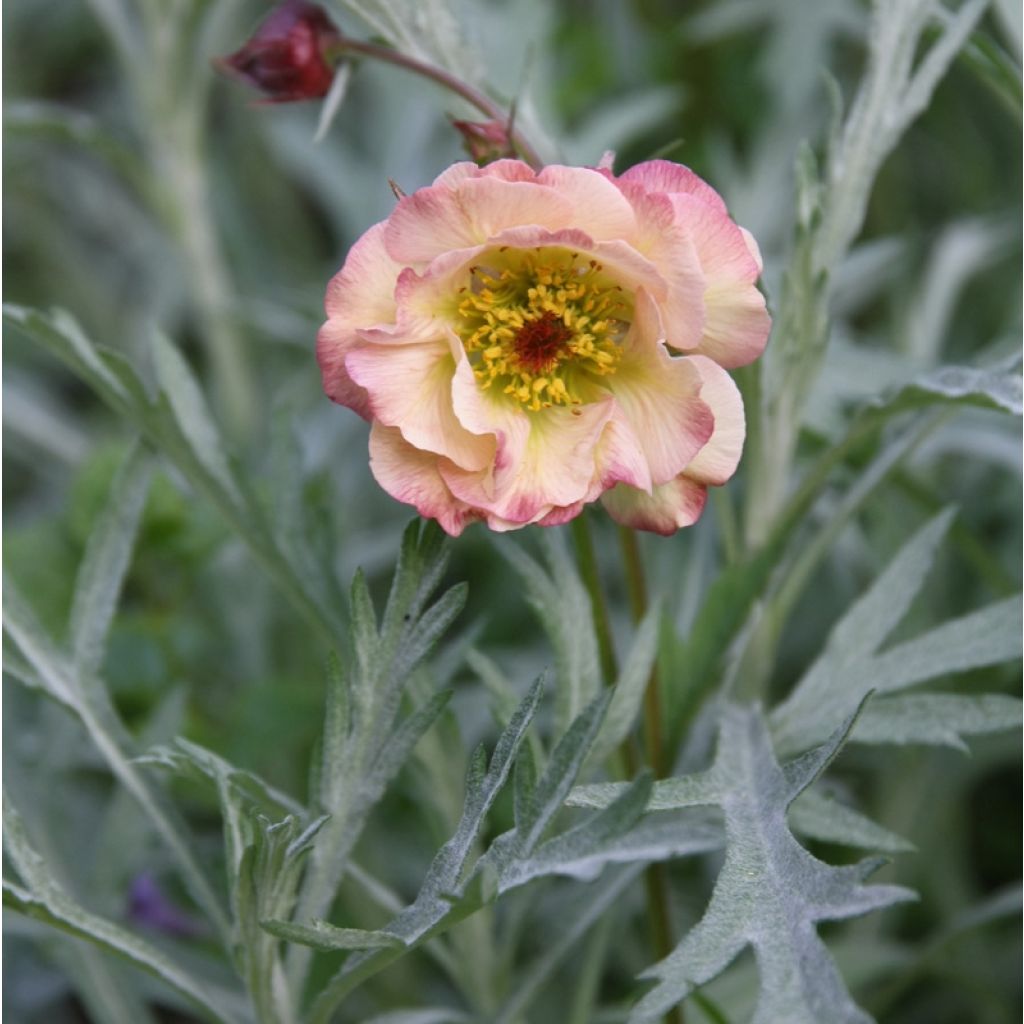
x: 525, y: 342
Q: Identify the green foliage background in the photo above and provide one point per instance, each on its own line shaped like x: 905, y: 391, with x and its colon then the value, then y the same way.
x: 143, y: 195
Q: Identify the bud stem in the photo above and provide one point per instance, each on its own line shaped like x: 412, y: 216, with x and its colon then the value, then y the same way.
x: 345, y: 46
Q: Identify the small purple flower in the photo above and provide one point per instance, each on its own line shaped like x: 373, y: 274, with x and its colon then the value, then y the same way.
x: 150, y: 908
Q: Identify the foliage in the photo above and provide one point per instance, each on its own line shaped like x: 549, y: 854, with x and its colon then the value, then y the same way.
x: 420, y: 802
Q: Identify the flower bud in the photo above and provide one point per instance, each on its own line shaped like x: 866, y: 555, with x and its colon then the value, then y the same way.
x: 485, y: 141
x: 287, y: 58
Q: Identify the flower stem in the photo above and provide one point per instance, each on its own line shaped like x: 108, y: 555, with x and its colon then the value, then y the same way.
x: 584, y: 544
x: 469, y: 93
x: 655, y: 879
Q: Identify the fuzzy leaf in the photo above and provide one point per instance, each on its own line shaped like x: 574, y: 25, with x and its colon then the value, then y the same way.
x: 849, y: 666
x: 41, y: 898
x: 562, y: 606
x: 630, y: 687
x: 996, y: 388
x: 817, y: 816
x: 197, y: 426
x: 325, y: 937
x: 770, y: 893
x: 103, y: 568
x: 936, y: 718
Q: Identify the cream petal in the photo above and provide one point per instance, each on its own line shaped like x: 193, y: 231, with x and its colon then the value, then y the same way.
x: 671, y: 506
x: 411, y: 476
x: 716, y: 462
x: 721, y: 246
x: 440, y: 218
x: 334, y: 341
x: 410, y: 387
x: 737, y: 326
x: 362, y: 293
x: 552, y: 466
x: 665, y: 244
x: 600, y: 209
x: 658, y: 396
x: 664, y: 176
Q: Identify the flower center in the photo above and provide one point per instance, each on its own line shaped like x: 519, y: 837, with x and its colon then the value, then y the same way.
x: 542, y: 325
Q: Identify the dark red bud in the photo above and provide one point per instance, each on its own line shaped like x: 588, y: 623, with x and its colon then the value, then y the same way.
x: 287, y: 57
x: 485, y: 141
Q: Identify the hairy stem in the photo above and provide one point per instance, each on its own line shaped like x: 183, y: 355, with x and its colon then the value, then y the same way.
x: 469, y: 93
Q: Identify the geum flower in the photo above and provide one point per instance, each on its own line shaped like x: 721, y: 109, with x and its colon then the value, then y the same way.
x: 524, y: 343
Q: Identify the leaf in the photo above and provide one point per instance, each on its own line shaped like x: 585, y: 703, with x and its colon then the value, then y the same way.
x: 42, y: 899
x: 998, y: 388
x: 433, y: 905
x: 818, y: 816
x: 936, y: 718
x: 325, y: 937
x: 188, y: 405
x: 630, y: 687
x: 849, y: 665
x: 107, y: 555
x: 562, y: 606
x: 333, y: 100
x: 770, y: 893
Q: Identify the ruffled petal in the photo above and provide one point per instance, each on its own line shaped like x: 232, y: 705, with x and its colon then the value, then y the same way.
x: 411, y: 476
x: 716, y: 462
x: 552, y: 465
x: 410, y: 387
x: 658, y: 396
x: 438, y: 219
x: 599, y: 208
x: 665, y: 243
x: 362, y: 293
x: 671, y: 506
x: 663, y: 176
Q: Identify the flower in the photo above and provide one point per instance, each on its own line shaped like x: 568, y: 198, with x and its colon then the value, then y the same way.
x: 286, y: 58
x: 485, y: 141
x: 525, y: 342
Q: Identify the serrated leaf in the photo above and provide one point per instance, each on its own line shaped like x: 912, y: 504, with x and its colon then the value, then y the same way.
x: 42, y: 899
x: 326, y: 937
x: 559, y: 773
x: 817, y: 816
x: 401, y: 742
x: 770, y: 894
x: 562, y: 606
x: 433, y: 905
x: 630, y: 687
x: 105, y: 563
x: 936, y: 718
x: 997, y: 388
x: 849, y: 666
x: 188, y: 405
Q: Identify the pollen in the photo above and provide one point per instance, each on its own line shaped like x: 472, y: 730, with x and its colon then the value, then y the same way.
x: 543, y: 325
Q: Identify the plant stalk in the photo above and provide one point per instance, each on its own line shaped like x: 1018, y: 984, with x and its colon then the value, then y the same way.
x: 469, y: 93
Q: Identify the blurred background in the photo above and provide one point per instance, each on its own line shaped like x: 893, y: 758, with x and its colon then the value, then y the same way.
x: 143, y: 192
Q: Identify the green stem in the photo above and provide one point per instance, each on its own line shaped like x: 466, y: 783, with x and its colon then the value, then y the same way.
x: 584, y: 544
x: 655, y: 879
x: 471, y: 95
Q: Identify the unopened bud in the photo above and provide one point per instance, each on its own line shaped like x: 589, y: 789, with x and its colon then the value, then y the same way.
x: 287, y: 58
x: 485, y: 141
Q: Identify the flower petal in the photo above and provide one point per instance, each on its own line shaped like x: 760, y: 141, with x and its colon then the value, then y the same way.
x: 673, y: 505
x: 599, y: 208
x: 551, y: 465
x: 334, y: 341
x: 658, y: 396
x: 362, y: 293
x: 412, y: 476
x: 410, y: 387
x: 716, y: 462
x: 661, y: 176
x: 438, y: 219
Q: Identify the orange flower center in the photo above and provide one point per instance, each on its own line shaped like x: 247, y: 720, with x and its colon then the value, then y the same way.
x: 538, y: 343
x: 543, y: 325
